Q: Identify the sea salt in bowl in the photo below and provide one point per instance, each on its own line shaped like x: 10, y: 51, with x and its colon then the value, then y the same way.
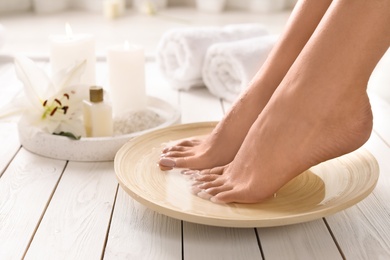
x: 89, y: 149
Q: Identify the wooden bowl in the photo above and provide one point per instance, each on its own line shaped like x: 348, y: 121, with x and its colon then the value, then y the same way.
x: 322, y: 190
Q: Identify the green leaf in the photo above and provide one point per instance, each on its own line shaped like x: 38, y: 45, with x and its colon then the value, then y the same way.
x: 68, y: 134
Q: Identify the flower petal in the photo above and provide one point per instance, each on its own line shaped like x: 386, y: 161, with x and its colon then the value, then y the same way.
x: 14, y: 108
x: 37, y: 84
x: 56, y: 107
x: 76, y: 127
x: 69, y: 76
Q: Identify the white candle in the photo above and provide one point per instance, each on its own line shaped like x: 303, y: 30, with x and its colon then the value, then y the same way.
x: 126, y: 70
x: 113, y: 8
x: 67, y: 50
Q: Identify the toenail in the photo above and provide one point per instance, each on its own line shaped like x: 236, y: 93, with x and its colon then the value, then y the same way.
x: 194, y: 176
x: 204, y: 195
x: 167, y: 154
x: 189, y: 172
x: 202, y: 186
x: 195, y: 190
x: 167, y: 162
x: 217, y: 201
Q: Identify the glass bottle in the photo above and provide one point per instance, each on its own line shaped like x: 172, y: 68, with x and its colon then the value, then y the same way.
x: 97, y: 114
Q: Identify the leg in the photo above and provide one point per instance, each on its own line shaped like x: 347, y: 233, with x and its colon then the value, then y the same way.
x: 232, y: 130
x: 320, y: 110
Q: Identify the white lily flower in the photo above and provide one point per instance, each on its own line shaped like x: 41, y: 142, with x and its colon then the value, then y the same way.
x: 54, y: 106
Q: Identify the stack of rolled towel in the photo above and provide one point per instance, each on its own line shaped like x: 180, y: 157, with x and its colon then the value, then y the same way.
x: 224, y: 59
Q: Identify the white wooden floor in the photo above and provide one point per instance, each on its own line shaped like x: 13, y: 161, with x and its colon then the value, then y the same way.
x: 54, y: 209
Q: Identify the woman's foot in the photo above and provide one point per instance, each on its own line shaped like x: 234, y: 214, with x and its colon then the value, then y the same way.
x: 281, y: 145
x: 218, y: 148
x: 221, y: 146
x: 319, y: 111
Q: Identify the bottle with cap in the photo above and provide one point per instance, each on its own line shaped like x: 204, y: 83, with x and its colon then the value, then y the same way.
x: 97, y: 114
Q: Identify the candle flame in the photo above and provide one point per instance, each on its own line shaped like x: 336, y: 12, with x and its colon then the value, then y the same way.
x: 68, y: 30
x: 126, y: 45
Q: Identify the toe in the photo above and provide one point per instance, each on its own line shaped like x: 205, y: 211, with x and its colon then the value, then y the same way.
x: 179, y: 162
x: 228, y: 196
x: 216, y: 190
x: 218, y: 170
x: 175, y: 148
x: 204, y: 195
x: 206, y: 178
x: 190, y: 172
x: 177, y: 154
x: 212, y: 183
x: 213, y: 171
x: 165, y: 162
x: 211, y: 192
x: 187, y: 162
x: 189, y: 142
x: 195, y: 190
x: 164, y: 168
x: 236, y: 196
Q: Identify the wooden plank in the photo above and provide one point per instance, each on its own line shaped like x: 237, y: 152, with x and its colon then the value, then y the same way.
x: 207, y: 242
x: 310, y: 240
x: 76, y: 221
x: 381, y: 151
x: 363, y: 230
x: 140, y: 233
x: 199, y: 105
x: 7, y: 79
x: 9, y: 88
x: 381, y: 112
x: 226, y: 106
x: 9, y: 144
x: 158, y: 86
x: 25, y: 190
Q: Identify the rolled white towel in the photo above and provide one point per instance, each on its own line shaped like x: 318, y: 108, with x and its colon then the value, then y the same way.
x: 229, y: 67
x: 181, y: 52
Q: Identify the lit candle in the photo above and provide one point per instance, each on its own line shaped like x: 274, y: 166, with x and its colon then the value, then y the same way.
x: 126, y: 70
x: 67, y: 50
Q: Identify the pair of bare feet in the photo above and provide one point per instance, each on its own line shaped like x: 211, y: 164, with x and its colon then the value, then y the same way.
x: 312, y: 109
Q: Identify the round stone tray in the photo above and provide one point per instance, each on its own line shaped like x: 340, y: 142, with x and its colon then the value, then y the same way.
x: 90, y: 148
